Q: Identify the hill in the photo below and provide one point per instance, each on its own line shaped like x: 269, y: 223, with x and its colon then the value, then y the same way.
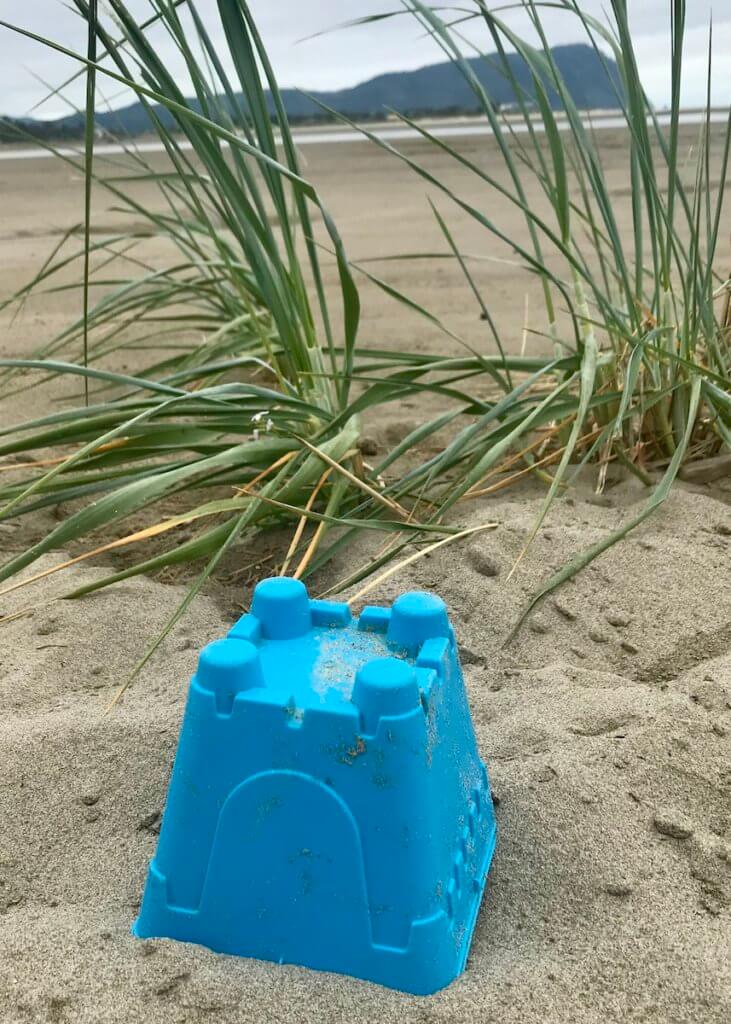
x: 436, y: 89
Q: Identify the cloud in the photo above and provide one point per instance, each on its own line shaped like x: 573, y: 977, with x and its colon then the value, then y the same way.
x: 346, y: 56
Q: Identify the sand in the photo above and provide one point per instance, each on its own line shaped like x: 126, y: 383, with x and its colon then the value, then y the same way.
x: 606, y: 727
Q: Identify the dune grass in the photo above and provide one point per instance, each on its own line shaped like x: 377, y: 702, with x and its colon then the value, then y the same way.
x: 644, y: 311
x: 258, y: 422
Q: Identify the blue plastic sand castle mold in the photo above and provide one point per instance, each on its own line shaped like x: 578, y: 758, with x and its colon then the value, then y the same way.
x: 328, y: 806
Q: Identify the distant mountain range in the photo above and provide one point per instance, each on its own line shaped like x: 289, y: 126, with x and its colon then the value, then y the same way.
x: 437, y: 89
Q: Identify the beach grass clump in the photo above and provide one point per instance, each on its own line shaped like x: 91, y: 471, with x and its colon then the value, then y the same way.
x: 644, y: 313
x: 258, y: 422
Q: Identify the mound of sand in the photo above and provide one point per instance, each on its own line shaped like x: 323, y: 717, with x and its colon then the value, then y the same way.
x: 606, y: 727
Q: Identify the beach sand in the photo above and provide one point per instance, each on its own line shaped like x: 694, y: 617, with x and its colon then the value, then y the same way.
x: 606, y: 725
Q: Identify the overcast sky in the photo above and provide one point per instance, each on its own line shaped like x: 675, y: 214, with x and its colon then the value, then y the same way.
x: 350, y: 55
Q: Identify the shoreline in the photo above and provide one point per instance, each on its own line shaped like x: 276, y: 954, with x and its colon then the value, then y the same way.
x: 386, y: 130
